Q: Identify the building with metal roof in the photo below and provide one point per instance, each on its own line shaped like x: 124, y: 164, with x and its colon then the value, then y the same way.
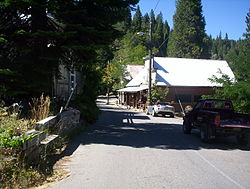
x: 187, y: 79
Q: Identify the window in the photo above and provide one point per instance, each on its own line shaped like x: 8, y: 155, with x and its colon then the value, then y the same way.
x: 218, y: 104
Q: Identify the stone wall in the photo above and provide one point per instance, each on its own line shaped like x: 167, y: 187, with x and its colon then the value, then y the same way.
x: 47, y: 133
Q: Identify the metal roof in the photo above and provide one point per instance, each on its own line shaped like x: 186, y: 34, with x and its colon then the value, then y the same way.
x: 182, y: 72
x: 133, y: 70
x: 133, y: 89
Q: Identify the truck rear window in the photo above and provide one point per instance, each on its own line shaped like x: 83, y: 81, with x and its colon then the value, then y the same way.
x: 217, y: 105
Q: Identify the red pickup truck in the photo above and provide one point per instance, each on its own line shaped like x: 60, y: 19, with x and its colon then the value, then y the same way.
x: 214, y: 118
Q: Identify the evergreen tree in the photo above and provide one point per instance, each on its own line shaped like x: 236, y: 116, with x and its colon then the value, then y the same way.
x: 247, y: 34
x: 128, y: 21
x: 239, y: 59
x: 145, y: 23
x: 187, y: 39
x: 125, y: 25
x: 27, y: 32
x: 159, y: 35
x: 137, y: 21
x: 239, y: 91
x: 152, y: 18
x: 166, y: 33
x: 38, y: 40
x: 221, y: 47
x: 208, y: 42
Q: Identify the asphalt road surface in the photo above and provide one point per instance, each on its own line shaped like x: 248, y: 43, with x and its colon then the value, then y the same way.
x: 129, y: 150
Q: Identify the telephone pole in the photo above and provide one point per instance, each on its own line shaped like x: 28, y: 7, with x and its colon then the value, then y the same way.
x: 150, y: 64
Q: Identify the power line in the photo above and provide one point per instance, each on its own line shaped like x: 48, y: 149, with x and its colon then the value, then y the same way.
x: 163, y: 43
x: 156, y: 5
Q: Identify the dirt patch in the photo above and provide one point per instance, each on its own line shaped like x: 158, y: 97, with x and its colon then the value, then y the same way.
x: 60, y: 172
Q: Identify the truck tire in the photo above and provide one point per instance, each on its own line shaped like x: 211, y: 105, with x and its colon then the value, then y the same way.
x: 186, y: 128
x: 205, y: 133
x: 242, y: 140
x: 172, y: 115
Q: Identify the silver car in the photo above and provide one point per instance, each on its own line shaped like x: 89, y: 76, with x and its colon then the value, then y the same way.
x: 162, y: 108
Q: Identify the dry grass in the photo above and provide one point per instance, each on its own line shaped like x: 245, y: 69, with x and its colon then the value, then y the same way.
x: 13, y: 172
x: 40, y: 108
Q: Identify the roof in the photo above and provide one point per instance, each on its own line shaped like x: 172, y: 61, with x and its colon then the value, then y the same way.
x: 182, y: 72
x: 133, y: 89
x: 133, y: 70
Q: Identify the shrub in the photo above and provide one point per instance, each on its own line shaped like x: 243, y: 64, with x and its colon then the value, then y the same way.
x: 88, y: 108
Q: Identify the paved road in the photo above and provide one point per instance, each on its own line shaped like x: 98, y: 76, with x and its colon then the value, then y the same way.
x: 129, y: 150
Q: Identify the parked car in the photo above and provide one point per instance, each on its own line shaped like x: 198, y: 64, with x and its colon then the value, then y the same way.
x: 162, y: 108
x: 213, y: 117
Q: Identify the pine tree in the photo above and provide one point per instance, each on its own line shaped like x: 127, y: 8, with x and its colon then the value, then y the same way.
x: 152, y: 17
x: 239, y: 57
x: 159, y: 34
x: 128, y: 21
x: 187, y: 39
x: 221, y: 47
x: 247, y: 34
x: 166, y: 33
x: 27, y: 41
x: 137, y: 21
x: 38, y: 40
x: 145, y: 23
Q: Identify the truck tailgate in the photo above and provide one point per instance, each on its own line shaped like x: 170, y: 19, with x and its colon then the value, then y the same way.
x: 235, y: 126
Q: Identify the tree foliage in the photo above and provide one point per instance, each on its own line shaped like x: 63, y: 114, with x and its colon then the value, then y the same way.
x: 221, y: 47
x: 32, y: 42
x: 188, y: 36
x: 247, y: 34
x: 25, y: 29
x: 137, y: 21
x: 159, y: 94
x: 132, y: 47
x: 239, y: 60
x: 135, y: 44
x: 239, y: 91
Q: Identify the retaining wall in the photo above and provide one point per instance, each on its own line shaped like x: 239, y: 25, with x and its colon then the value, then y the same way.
x: 47, y: 133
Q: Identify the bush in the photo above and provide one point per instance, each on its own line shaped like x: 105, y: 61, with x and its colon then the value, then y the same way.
x: 87, y: 106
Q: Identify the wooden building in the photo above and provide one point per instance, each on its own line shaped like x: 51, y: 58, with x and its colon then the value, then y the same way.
x: 187, y: 80
x: 66, y: 83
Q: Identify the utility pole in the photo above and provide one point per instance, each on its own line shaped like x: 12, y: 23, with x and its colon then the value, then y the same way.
x: 150, y: 64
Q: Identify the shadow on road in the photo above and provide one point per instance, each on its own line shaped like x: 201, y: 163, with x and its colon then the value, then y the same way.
x: 117, y: 127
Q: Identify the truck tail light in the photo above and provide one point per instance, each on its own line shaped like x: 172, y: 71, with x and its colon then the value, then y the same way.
x: 158, y: 105
x: 217, y: 119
